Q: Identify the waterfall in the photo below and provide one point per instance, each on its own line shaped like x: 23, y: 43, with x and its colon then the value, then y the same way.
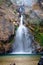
x: 23, y: 40
x: 21, y: 20
x: 26, y: 2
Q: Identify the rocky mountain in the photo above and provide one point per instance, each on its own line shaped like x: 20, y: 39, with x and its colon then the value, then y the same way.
x: 6, y: 24
x: 9, y: 17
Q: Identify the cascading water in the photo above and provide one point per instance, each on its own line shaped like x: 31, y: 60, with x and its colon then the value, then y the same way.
x: 24, y: 40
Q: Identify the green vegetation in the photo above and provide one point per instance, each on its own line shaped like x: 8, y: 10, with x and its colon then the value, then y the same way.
x: 39, y: 38
x: 16, y: 27
x: 8, y: 2
x: 1, y: 1
x: 15, y: 11
x: 38, y: 35
x: 12, y: 41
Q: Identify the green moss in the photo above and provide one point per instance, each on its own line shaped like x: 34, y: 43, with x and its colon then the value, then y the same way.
x: 1, y: 1
x: 12, y: 41
x: 15, y: 11
x: 39, y: 38
x: 16, y: 27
